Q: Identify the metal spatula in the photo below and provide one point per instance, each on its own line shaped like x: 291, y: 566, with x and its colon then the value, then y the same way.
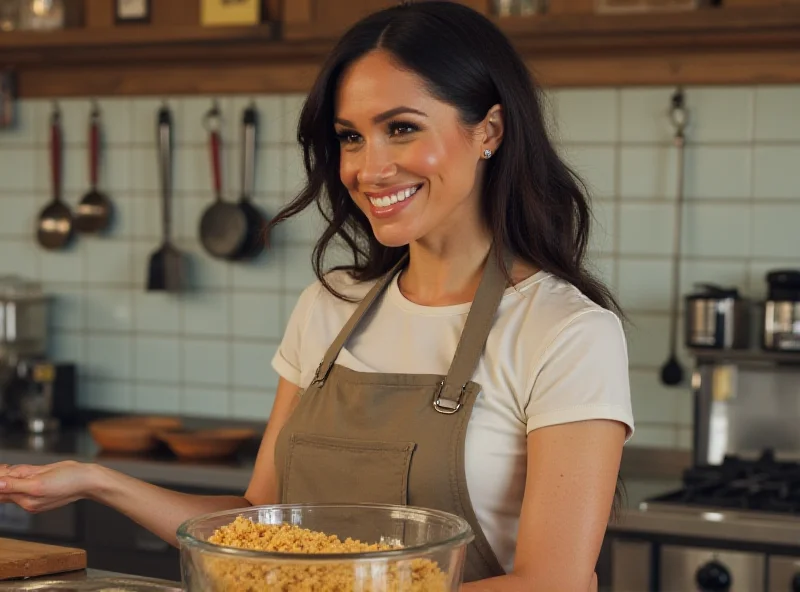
x: 166, y: 269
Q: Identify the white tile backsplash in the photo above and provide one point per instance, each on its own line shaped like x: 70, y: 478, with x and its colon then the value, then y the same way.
x: 775, y: 231
x: 109, y: 357
x: 252, y: 406
x: 206, y: 313
x: 596, y: 166
x: 718, y: 172
x: 709, y: 231
x: 18, y: 256
x: 778, y: 113
x: 209, y: 401
x: 645, y: 284
x: 646, y: 229
x: 252, y: 367
x: 720, y: 114
x: 27, y: 125
x: 156, y: 312
x: 156, y: 398
x: 206, y: 362
x: 587, y: 115
x: 208, y: 352
x: 776, y: 172
x: 109, y: 310
x: 645, y: 115
x: 17, y: 170
x: 20, y: 216
x: 648, y: 172
x: 158, y: 359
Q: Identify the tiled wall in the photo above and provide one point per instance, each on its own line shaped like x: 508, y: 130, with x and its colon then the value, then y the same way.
x: 208, y: 352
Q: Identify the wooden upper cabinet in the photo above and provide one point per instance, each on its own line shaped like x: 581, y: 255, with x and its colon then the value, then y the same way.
x: 742, y: 42
x: 328, y: 19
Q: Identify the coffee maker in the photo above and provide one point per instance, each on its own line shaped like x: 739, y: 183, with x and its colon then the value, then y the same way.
x: 36, y: 393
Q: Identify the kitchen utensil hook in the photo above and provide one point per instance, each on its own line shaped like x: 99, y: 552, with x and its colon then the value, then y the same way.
x: 672, y: 371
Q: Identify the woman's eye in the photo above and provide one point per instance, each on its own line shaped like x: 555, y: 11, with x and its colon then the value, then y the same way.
x: 347, y: 137
x: 401, y: 128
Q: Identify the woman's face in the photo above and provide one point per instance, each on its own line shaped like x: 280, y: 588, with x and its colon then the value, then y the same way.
x: 406, y: 160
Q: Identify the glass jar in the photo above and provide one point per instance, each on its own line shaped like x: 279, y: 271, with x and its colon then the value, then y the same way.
x: 9, y: 15
x: 42, y: 15
x: 23, y: 318
x: 428, y: 550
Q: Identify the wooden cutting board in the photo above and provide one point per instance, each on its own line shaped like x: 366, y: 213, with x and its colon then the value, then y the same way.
x: 20, y: 559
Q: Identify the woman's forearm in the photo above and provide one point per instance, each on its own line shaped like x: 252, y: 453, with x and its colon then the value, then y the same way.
x: 516, y: 583
x: 158, y: 510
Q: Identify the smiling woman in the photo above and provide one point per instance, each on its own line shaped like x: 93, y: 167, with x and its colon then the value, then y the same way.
x: 426, y: 151
x: 464, y: 360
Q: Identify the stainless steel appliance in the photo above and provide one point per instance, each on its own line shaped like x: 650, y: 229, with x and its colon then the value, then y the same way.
x: 731, y: 527
x: 35, y: 392
x: 717, y: 317
x: 782, y: 312
x: 734, y: 523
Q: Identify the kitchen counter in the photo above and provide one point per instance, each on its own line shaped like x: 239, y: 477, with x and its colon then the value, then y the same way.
x: 161, y: 467
x: 645, y: 471
x: 83, y: 580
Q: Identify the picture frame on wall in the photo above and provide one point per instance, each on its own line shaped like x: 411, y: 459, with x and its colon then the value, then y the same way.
x: 132, y: 11
x: 230, y: 12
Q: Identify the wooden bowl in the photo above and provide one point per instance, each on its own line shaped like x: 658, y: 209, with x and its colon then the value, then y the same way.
x: 130, y: 435
x: 205, y: 444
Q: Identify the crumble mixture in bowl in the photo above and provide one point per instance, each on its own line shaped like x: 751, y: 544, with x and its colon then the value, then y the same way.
x: 324, y: 548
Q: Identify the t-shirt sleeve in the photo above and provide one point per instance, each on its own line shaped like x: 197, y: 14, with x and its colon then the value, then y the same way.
x: 287, y: 361
x: 583, y: 374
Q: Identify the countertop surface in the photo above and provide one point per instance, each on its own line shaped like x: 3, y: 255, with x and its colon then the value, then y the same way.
x: 162, y: 467
x: 645, y: 471
x: 90, y: 579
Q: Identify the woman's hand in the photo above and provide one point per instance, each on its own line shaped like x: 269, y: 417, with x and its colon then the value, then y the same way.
x: 45, y: 487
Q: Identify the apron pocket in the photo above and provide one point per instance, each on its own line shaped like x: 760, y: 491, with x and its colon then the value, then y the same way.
x: 320, y: 469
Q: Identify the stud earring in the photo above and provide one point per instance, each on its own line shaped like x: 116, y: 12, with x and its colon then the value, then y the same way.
x: 487, y: 154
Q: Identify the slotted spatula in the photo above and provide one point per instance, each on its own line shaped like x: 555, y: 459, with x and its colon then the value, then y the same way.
x: 165, y: 272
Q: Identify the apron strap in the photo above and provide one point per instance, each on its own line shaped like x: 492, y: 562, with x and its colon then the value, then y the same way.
x: 450, y: 392
x: 363, y: 308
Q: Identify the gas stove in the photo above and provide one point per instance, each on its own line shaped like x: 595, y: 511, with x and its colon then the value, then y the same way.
x: 729, y: 527
x: 763, y: 485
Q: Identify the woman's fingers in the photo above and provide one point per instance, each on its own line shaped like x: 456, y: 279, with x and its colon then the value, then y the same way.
x: 17, y: 485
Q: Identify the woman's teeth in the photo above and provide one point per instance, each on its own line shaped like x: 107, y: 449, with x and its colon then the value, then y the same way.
x: 386, y: 201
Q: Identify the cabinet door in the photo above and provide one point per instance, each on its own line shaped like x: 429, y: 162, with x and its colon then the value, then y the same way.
x: 328, y: 19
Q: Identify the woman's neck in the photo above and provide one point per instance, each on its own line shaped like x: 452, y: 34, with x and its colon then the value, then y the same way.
x: 444, y: 273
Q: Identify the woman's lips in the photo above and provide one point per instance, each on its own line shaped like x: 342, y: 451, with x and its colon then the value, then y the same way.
x: 385, y: 205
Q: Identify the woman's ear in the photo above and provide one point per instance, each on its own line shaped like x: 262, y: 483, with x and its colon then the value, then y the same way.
x: 493, y: 127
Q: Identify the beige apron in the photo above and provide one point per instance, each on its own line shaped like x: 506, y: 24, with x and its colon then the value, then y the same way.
x: 359, y: 437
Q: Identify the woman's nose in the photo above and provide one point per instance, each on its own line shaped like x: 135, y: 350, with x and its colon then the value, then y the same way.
x: 376, y: 166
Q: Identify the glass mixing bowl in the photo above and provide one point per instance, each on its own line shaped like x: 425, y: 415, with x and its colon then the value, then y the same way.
x: 428, y: 549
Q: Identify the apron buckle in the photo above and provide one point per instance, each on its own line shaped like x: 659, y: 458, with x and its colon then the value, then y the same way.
x: 447, y: 406
x: 317, y: 378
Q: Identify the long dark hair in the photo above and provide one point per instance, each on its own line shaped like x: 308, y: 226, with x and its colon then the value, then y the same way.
x: 533, y: 204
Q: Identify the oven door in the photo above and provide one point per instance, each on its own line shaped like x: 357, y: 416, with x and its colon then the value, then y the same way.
x: 784, y: 574
x: 684, y: 569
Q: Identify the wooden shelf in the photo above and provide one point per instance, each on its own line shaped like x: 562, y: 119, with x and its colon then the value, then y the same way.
x: 713, y: 46
x: 746, y: 356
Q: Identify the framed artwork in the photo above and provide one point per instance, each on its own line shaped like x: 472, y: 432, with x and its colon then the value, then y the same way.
x: 132, y: 11
x: 230, y: 12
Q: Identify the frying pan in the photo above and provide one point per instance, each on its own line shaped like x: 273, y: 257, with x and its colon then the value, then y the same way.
x: 94, y: 210
x: 55, y: 226
x: 255, y: 240
x: 223, y: 226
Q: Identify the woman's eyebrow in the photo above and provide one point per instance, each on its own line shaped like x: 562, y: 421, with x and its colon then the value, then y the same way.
x: 384, y: 116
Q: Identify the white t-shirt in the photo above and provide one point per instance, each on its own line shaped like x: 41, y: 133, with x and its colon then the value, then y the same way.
x: 552, y: 357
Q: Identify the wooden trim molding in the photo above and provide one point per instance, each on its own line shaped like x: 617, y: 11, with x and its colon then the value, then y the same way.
x: 743, y: 45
